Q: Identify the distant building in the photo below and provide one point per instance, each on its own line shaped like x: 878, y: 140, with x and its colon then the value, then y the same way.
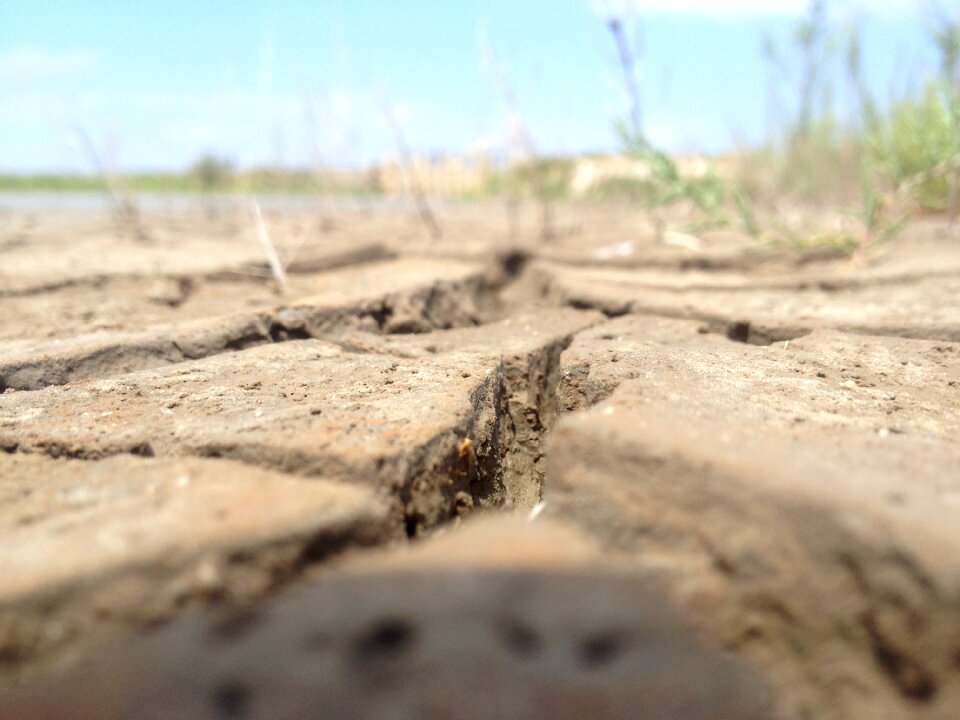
x: 437, y: 174
x: 468, y: 174
x: 592, y: 172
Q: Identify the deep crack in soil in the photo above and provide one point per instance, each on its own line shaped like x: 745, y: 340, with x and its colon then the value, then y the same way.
x: 489, y: 456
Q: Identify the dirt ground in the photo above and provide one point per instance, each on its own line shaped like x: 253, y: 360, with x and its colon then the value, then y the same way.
x: 607, y: 475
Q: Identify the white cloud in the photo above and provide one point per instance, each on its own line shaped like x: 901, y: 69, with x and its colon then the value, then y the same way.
x: 34, y: 63
x: 704, y: 7
x: 728, y: 8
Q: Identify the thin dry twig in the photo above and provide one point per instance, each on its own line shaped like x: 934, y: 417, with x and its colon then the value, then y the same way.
x: 273, y: 260
x: 411, y: 179
x: 500, y: 80
x: 629, y: 67
x: 627, y: 59
x: 125, y: 211
x: 320, y: 169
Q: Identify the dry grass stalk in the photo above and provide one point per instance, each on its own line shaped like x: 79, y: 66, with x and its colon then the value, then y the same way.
x: 411, y: 179
x: 273, y: 260
x: 629, y: 67
x: 528, y: 146
x: 125, y: 211
x: 320, y: 169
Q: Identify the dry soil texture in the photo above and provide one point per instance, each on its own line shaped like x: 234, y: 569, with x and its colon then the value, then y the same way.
x: 603, y: 476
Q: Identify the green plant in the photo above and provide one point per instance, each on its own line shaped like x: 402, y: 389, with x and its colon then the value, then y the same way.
x: 665, y: 184
x: 874, y: 203
x: 743, y: 204
x: 916, y: 147
x: 946, y: 35
x: 549, y: 176
x: 212, y: 173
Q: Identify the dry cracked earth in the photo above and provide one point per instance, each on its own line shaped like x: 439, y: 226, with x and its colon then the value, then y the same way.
x: 601, y: 477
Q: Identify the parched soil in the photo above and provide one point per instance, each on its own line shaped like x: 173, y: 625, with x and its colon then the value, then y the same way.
x: 602, y: 476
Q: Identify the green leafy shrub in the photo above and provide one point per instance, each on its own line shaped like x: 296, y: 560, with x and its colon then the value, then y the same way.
x: 667, y: 185
x: 915, y: 145
x: 548, y: 176
x: 212, y: 173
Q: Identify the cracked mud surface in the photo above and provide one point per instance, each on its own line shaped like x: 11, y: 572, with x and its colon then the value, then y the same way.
x: 603, y: 477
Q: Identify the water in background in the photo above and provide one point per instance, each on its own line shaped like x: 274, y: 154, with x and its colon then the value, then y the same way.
x: 174, y: 203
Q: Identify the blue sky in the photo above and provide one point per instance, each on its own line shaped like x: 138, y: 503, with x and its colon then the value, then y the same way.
x: 157, y: 83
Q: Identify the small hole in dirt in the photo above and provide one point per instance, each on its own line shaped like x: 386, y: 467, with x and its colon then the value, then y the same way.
x: 387, y: 639
x: 522, y: 640
x: 601, y: 649
x: 245, y: 341
x: 382, y: 315
x: 411, y: 525
x: 13, y: 655
x: 610, y: 312
x: 407, y: 327
x: 514, y: 262
x: 724, y: 565
x: 739, y: 332
x: 231, y: 699
x: 280, y: 333
x: 142, y: 450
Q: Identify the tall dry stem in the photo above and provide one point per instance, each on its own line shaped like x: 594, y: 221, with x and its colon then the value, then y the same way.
x: 124, y: 209
x: 628, y: 65
x: 411, y: 179
x: 269, y: 251
x: 538, y: 180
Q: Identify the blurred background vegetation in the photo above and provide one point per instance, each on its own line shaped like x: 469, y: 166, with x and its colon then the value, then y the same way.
x: 882, y: 162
